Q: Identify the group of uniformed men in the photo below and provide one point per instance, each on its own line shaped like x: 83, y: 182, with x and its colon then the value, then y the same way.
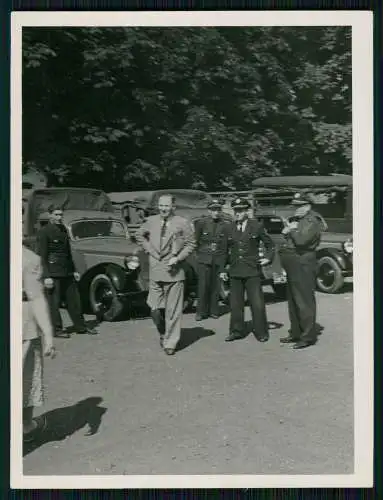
x: 225, y: 251
x: 230, y: 251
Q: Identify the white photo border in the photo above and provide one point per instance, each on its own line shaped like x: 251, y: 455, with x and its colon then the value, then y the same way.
x: 363, y: 170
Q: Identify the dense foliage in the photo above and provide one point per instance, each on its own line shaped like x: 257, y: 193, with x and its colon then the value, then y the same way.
x: 211, y: 108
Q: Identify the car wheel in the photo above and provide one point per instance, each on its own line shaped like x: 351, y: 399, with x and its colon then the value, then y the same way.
x: 103, y: 298
x: 329, y: 275
x: 280, y: 290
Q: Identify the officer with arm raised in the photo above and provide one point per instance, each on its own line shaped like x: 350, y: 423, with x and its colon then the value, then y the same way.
x: 298, y: 257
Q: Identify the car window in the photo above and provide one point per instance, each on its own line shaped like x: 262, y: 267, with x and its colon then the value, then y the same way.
x: 273, y: 225
x: 98, y: 228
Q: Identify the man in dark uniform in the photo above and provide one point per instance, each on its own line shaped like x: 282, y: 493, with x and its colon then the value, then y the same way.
x: 59, y: 276
x: 245, y: 270
x: 298, y: 258
x: 211, y: 241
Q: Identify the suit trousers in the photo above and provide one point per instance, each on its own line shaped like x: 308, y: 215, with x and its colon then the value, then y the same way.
x: 252, y: 285
x: 170, y: 297
x: 65, y: 288
x: 208, y: 289
x: 301, y: 277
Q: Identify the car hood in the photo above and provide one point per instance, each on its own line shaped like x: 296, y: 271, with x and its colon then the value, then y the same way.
x: 109, y: 246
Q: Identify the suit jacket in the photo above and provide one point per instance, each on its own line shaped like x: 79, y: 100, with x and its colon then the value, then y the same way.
x: 211, y: 241
x: 35, y: 309
x: 178, y: 242
x: 244, y: 249
x: 55, y: 252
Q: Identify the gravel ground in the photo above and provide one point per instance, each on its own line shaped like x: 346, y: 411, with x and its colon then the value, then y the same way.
x: 117, y: 405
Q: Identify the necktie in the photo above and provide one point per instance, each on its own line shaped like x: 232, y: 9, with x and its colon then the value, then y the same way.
x: 163, y: 228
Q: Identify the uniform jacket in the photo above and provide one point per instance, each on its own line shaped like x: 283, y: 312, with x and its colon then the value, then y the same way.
x: 243, y: 256
x: 178, y: 241
x: 55, y: 251
x: 307, y: 236
x: 211, y: 241
x: 35, y: 311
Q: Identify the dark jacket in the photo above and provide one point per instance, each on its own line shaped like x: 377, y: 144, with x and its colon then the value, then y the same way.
x: 244, y: 248
x: 55, y: 252
x: 307, y: 236
x: 211, y: 240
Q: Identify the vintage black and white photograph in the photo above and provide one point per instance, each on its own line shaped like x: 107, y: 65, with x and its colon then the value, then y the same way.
x: 187, y: 199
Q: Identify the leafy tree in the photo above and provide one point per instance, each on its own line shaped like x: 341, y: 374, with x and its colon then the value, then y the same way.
x: 210, y: 108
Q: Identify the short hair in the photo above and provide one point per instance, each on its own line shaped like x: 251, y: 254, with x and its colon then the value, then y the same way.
x: 168, y: 195
x: 53, y: 207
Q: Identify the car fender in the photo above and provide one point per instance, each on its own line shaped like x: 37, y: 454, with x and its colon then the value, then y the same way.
x: 335, y: 254
x: 117, y: 276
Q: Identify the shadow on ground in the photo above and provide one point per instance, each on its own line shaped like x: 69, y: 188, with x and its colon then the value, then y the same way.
x: 191, y: 335
x: 63, y: 422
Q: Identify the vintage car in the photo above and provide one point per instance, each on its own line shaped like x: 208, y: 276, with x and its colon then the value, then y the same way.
x: 113, y: 269
x: 193, y: 205
x: 333, y: 200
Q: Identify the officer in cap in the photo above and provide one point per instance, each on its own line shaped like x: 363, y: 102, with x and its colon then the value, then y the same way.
x: 245, y: 271
x: 298, y: 257
x: 211, y: 251
x: 59, y: 274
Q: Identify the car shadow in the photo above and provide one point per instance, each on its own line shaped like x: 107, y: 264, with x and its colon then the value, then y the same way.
x: 65, y: 421
x: 191, y: 335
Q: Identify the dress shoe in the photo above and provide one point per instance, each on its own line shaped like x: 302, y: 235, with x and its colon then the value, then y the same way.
x: 231, y: 338
x: 87, y: 331
x: 302, y: 344
x: 264, y: 338
x: 288, y: 340
x: 200, y: 317
x: 61, y: 334
x: 214, y: 316
x: 169, y: 352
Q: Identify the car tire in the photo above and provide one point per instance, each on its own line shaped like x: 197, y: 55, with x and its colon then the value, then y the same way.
x: 280, y: 290
x: 329, y: 275
x: 103, y: 299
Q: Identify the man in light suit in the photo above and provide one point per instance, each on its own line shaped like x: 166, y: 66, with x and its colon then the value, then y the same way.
x: 169, y: 240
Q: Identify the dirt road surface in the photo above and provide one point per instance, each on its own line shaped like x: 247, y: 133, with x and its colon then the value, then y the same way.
x: 117, y: 404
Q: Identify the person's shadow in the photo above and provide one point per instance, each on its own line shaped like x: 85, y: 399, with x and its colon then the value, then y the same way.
x: 191, y: 335
x: 272, y: 325
x: 63, y: 422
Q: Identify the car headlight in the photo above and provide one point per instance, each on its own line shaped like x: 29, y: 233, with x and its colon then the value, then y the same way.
x: 348, y: 246
x: 132, y: 262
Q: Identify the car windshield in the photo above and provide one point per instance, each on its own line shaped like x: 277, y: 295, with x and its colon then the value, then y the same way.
x: 273, y: 225
x: 97, y: 229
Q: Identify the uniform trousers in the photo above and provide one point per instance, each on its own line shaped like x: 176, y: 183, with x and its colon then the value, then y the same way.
x: 166, y: 302
x: 252, y: 285
x: 301, y: 279
x: 67, y: 288
x: 208, y: 289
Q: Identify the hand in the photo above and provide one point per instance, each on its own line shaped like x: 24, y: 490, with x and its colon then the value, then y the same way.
x: 172, y: 261
x: 76, y: 276
x: 49, y: 349
x: 224, y: 276
x: 293, y: 225
x: 264, y: 262
x: 48, y: 283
